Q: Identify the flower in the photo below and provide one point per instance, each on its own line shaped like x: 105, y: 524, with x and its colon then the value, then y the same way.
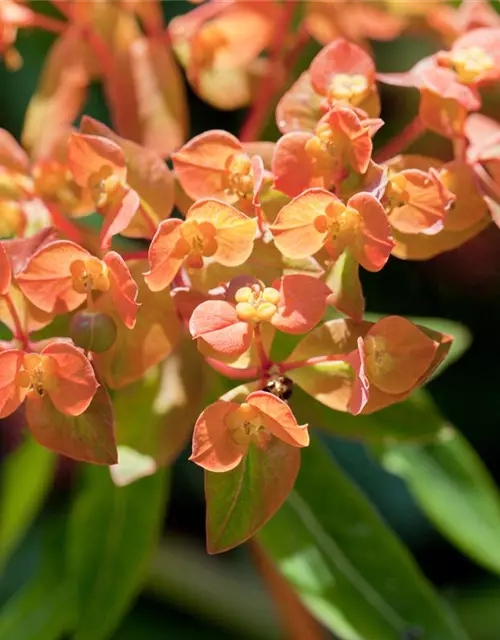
x: 293, y: 304
x: 317, y: 219
x: 225, y: 430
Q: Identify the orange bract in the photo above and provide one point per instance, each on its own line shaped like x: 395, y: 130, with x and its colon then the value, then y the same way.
x: 212, y: 229
x: 225, y: 430
x: 60, y: 370
x: 317, y: 219
x: 61, y: 275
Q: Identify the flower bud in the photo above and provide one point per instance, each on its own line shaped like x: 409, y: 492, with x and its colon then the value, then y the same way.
x: 93, y: 331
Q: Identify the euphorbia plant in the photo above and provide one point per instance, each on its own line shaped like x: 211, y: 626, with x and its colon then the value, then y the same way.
x: 243, y: 244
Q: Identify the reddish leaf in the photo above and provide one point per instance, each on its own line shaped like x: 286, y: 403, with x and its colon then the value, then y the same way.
x: 302, y: 303
x: 88, y: 437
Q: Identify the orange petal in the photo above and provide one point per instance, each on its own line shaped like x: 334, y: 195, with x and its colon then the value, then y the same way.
x: 11, y: 394
x: 47, y: 282
x: 12, y: 155
x: 217, y: 323
x: 201, y: 164
x: 118, y: 215
x: 294, y: 232
x: 123, y: 288
x: 75, y: 384
x: 293, y: 168
x: 408, y: 350
x: 373, y: 245
x: 277, y: 417
x: 5, y: 271
x: 235, y: 231
x: 469, y: 207
x: 88, y: 154
x: 146, y: 172
x: 162, y: 265
x: 213, y: 447
x: 302, y: 303
x: 356, y: 145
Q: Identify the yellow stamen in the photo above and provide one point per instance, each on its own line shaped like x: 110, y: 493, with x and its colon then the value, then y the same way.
x: 245, y: 426
x: 89, y: 275
x: 348, y: 88
x: 471, y: 63
x: 256, y: 303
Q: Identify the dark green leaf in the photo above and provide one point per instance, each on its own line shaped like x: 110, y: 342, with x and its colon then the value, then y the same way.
x: 24, y: 481
x: 112, y: 532
x: 455, y: 490
x: 240, y: 501
x: 348, y: 567
x: 42, y: 608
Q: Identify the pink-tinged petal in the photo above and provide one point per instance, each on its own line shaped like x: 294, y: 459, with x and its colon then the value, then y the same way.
x: 302, y: 303
x: 373, y: 245
x: 361, y: 386
x: 400, y: 79
x: 202, y: 163
x: 294, y: 232
x: 235, y: 232
x: 74, y: 383
x: 123, y: 288
x: 483, y: 134
x: 217, y: 323
x: 162, y: 264
x: 47, y: 281
x: 300, y: 107
x: 213, y: 447
x: 277, y: 417
x: 5, y: 271
x: 11, y: 394
x: 340, y: 57
x: 408, y: 351
x: 293, y: 167
x: 88, y: 154
x: 355, y: 137
x: 118, y: 215
x: 20, y: 250
x: 258, y: 174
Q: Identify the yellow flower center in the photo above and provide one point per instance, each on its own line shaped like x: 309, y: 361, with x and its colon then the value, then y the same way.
x: 197, y: 241
x: 340, y: 223
x: 471, y: 63
x: 396, y: 192
x: 36, y: 373
x: 89, y: 275
x: 378, y: 360
x: 348, y: 88
x: 11, y: 218
x: 255, y: 304
x: 104, y: 186
x: 239, y: 178
x: 245, y: 426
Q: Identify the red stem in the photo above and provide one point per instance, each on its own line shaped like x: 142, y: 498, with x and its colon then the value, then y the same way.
x: 288, y: 366
x: 48, y: 24
x: 64, y: 224
x: 19, y: 333
x: 275, y: 76
x: 487, y: 182
x: 135, y: 255
x: 410, y: 133
x: 64, y: 8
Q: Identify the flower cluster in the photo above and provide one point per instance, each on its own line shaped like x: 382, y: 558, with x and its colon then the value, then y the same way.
x: 242, y: 242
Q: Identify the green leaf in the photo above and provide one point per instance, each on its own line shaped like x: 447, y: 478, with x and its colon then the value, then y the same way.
x: 25, y: 478
x: 240, y: 501
x: 42, y: 608
x: 112, y: 532
x: 415, y: 418
x: 454, y: 488
x: 88, y: 437
x: 350, y: 570
x: 155, y: 415
x: 343, y: 280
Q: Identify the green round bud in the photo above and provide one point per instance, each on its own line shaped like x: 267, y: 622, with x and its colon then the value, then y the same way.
x: 93, y: 331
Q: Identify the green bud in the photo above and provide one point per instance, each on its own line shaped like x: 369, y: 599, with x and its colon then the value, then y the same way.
x: 93, y: 331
